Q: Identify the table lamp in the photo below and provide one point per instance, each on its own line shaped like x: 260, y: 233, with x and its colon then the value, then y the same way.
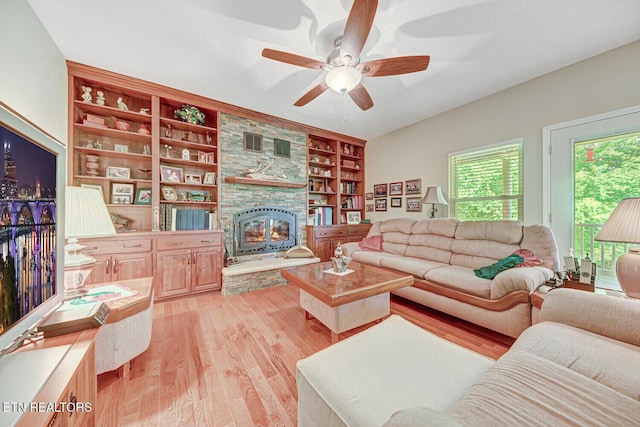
x: 434, y: 196
x: 85, y: 215
x: 623, y: 226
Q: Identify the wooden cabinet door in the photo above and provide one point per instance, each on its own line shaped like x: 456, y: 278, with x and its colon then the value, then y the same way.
x: 206, y: 267
x: 101, y: 272
x: 131, y: 266
x: 324, y: 249
x: 173, y: 273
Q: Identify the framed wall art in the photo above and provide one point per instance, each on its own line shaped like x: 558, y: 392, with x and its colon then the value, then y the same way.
x: 414, y: 204
x: 116, y: 172
x: 380, y: 190
x: 396, y: 202
x: 369, y: 196
x: 413, y: 186
x: 395, y: 189
x: 381, y: 205
x: 369, y: 207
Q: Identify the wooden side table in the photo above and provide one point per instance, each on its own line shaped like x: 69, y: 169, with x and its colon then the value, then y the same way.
x: 127, y: 331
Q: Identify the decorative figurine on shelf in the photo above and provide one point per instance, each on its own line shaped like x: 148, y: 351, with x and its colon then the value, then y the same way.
x: 122, y: 105
x: 86, y: 94
x: 352, y: 150
x: 186, y: 154
x: 208, y: 138
x: 144, y: 111
x: 168, y: 148
x: 191, y: 137
x: 346, y: 150
x: 169, y: 132
x: 98, y: 145
x: 100, y: 98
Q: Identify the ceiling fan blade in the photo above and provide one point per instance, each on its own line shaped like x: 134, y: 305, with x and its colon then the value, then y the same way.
x: 290, y: 58
x: 361, y: 97
x: 358, y: 26
x: 312, y: 94
x: 394, y: 66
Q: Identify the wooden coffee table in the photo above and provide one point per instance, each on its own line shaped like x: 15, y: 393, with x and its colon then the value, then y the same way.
x: 344, y: 302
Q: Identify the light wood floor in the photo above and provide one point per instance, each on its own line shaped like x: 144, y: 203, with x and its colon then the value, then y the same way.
x: 230, y: 361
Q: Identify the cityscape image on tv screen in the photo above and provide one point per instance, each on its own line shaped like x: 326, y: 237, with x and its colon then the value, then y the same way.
x: 27, y: 226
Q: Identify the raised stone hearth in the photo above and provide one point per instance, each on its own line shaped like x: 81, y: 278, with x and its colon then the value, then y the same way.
x: 255, y: 274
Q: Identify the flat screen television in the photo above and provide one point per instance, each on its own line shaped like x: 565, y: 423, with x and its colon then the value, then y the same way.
x: 32, y: 182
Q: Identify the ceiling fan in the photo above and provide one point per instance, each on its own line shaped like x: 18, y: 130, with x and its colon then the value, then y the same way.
x: 343, y: 66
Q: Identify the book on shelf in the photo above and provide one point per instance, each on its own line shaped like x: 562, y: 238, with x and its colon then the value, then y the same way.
x: 320, y: 216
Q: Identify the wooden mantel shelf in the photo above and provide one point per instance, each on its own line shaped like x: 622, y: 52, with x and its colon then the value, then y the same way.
x: 269, y: 183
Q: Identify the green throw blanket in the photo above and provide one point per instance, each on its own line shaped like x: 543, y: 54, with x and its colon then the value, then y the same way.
x: 492, y: 270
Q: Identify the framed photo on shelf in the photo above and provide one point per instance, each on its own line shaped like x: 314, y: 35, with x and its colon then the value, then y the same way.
x: 120, y: 148
x: 368, y: 196
x: 190, y: 178
x: 414, y: 204
x: 211, y: 157
x: 171, y: 174
x: 413, y: 186
x: 369, y: 207
x: 186, y: 154
x: 120, y: 199
x: 169, y: 193
x: 202, y: 156
x: 143, y: 196
x: 395, y: 189
x: 353, y: 217
x: 116, y: 172
x: 209, y: 178
x: 122, y: 189
x: 381, y: 205
x: 196, y: 196
x: 380, y: 190
x: 396, y: 202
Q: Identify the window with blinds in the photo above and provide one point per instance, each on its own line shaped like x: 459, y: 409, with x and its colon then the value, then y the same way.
x: 487, y: 183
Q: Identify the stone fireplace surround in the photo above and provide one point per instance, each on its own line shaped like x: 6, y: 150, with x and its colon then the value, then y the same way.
x: 259, y: 269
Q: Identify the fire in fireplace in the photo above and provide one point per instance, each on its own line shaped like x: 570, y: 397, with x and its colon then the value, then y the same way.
x: 264, y: 229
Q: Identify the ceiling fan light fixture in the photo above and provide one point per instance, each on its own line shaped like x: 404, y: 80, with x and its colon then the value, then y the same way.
x: 342, y: 79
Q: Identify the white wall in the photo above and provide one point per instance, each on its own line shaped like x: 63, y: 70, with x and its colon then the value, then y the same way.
x: 603, y: 83
x: 33, y: 72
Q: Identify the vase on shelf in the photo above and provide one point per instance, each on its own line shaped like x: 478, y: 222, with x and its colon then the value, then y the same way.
x: 91, y: 164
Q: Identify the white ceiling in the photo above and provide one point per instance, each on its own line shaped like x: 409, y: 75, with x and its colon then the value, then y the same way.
x: 213, y: 48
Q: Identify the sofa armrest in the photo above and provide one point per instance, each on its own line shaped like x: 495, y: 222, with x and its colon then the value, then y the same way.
x: 616, y: 318
x: 519, y: 279
x: 349, y: 248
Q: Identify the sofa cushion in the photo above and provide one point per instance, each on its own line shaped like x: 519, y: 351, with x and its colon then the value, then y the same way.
x: 612, y: 363
x: 414, y: 266
x: 373, y: 258
x: 524, y: 389
x: 439, y: 226
x: 401, y: 225
x: 509, y: 232
x: 430, y: 246
x: 541, y: 241
x: 461, y: 279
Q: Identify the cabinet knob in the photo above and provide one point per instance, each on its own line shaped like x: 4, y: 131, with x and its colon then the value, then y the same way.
x: 207, y: 241
x: 107, y: 263
x: 174, y: 243
x: 139, y: 245
x: 115, y: 266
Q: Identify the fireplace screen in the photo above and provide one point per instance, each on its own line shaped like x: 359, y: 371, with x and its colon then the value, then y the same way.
x: 264, y: 229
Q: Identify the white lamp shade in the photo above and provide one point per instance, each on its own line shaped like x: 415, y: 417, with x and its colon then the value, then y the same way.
x: 434, y: 195
x: 342, y: 79
x: 624, y: 223
x: 85, y: 214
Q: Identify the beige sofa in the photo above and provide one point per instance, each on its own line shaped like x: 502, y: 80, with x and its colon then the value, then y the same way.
x: 579, y: 366
x: 441, y: 254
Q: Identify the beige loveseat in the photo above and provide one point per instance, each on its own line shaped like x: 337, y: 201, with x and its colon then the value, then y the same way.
x: 441, y: 254
x: 580, y: 366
